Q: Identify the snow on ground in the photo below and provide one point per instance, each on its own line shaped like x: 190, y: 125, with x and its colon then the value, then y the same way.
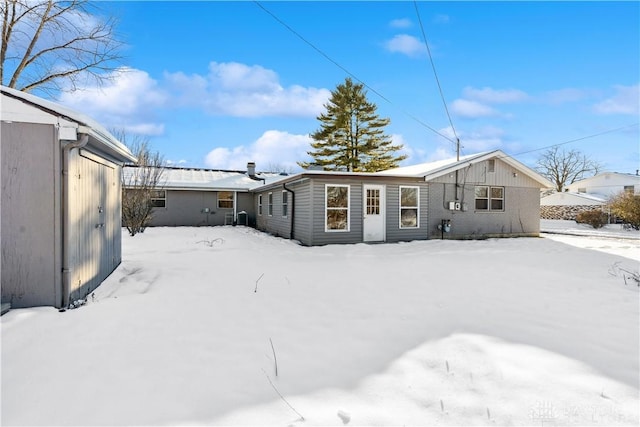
x: 193, y: 325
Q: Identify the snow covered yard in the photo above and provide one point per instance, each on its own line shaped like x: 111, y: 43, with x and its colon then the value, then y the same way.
x: 229, y: 326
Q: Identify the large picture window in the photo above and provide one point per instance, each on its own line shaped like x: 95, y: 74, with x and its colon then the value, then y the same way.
x: 489, y: 198
x: 158, y: 198
x: 409, y: 207
x: 336, y: 207
x: 225, y: 200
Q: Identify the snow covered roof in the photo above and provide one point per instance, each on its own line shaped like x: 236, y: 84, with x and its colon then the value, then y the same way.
x: 94, y: 129
x: 573, y: 199
x: 439, y: 168
x: 207, y: 179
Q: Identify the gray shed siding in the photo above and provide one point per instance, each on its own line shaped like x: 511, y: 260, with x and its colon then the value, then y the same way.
x: 30, y: 216
x: 521, y: 203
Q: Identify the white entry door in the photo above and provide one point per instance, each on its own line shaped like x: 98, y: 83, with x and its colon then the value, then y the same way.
x: 374, y: 223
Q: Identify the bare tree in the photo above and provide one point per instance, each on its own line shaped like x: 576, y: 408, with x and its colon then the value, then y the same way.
x: 565, y: 167
x: 142, y: 186
x: 53, y: 45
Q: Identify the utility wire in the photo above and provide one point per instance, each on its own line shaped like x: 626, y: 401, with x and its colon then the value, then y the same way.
x: 327, y: 57
x: 578, y: 139
x: 433, y: 67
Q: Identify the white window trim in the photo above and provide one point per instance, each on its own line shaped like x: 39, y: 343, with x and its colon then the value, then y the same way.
x: 285, y: 204
x: 270, y: 204
x: 348, y: 209
x: 488, y: 198
x: 259, y: 204
x: 400, y: 207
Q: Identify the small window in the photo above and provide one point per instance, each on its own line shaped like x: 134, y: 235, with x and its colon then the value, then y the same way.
x: 336, y: 207
x: 225, y: 200
x: 489, y: 198
x: 259, y: 204
x: 158, y: 198
x: 285, y: 204
x: 491, y: 165
x: 409, y: 207
x: 270, y: 204
x: 628, y: 189
x: 582, y: 190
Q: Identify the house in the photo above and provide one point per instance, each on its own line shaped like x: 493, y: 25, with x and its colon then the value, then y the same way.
x: 607, y: 184
x: 203, y: 197
x: 482, y: 195
x: 61, y: 202
x: 588, y: 194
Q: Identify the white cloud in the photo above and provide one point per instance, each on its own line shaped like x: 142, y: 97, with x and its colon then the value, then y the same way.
x: 562, y: 96
x: 472, y: 109
x: 441, y: 19
x: 494, y: 96
x: 126, y: 100
x: 401, y: 23
x: 625, y: 101
x: 407, y: 45
x: 246, y: 91
x: 273, y: 149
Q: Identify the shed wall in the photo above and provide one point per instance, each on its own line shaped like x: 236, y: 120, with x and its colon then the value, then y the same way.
x: 30, y: 215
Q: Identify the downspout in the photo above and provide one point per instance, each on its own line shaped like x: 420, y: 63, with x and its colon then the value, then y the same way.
x: 293, y: 209
x: 66, y: 218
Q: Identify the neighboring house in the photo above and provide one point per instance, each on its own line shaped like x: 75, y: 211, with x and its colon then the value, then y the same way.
x: 202, y: 197
x: 568, y: 205
x: 607, y: 184
x: 587, y: 194
x: 61, y: 202
x: 483, y: 195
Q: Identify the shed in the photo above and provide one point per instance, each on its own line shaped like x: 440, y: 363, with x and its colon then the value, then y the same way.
x: 61, y: 202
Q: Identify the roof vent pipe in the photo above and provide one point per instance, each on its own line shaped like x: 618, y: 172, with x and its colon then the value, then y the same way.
x: 251, y: 169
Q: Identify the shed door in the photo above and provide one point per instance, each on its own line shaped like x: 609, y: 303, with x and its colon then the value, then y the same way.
x: 374, y: 216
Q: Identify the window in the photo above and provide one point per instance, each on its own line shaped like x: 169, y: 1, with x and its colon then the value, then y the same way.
x: 409, y: 207
x: 158, y: 198
x: 336, y: 207
x: 270, y: 204
x: 225, y: 200
x: 491, y: 165
x: 489, y: 198
x: 628, y: 189
x: 582, y: 190
x: 259, y: 204
x: 285, y: 204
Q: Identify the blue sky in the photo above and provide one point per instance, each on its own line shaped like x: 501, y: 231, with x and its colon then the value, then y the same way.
x: 217, y: 84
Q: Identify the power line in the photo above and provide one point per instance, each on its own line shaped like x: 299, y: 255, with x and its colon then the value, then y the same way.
x: 578, y: 139
x: 327, y: 57
x: 433, y: 67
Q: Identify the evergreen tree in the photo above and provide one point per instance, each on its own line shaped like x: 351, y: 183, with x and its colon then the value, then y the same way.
x: 351, y: 135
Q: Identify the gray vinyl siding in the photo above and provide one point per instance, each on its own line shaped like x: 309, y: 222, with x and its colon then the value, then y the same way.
x: 520, y: 216
x: 188, y: 208
x: 245, y: 203
x: 394, y: 232
x: 30, y: 216
x: 275, y: 224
